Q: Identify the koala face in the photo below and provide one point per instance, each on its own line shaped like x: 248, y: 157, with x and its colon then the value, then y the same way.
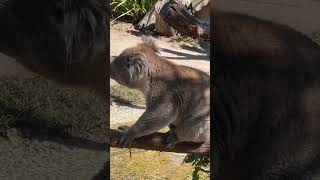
x: 129, y: 69
x: 134, y: 65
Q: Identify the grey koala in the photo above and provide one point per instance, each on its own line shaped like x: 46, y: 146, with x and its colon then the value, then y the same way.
x: 176, y: 96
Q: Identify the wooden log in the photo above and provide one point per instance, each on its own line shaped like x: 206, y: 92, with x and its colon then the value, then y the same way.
x: 156, y: 142
x: 161, y: 26
x: 148, y: 21
x: 177, y: 16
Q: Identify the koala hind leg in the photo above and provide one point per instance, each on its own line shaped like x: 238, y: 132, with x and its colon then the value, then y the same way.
x: 195, y: 130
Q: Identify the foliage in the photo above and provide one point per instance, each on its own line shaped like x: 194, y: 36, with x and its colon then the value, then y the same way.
x: 132, y: 10
x: 200, y: 163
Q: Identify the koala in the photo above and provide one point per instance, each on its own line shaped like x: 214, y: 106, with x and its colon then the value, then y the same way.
x: 62, y: 40
x: 176, y: 96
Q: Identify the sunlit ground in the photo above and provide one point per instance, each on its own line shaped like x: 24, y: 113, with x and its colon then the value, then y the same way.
x: 148, y: 165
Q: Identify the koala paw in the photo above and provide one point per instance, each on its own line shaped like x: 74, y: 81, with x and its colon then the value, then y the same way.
x: 127, y: 138
x: 171, y: 140
x: 170, y: 146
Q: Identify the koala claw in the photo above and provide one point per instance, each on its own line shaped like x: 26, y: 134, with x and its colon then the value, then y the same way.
x: 127, y: 139
x: 171, y: 140
x: 170, y: 146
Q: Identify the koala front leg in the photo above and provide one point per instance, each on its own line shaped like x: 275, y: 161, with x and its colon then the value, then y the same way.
x: 172, y: 138
x: 151, y: 121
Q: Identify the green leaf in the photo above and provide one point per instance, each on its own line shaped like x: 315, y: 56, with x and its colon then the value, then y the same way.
x: 133, y: 10
x: 188, y: 158
x: 195, y: 174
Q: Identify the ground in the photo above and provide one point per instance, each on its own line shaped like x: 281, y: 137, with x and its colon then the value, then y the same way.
x: 127, y: 106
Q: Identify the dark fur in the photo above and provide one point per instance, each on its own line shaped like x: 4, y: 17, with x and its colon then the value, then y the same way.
x: 64, y: 40
x: 266, y: 90
x: 61, y: 39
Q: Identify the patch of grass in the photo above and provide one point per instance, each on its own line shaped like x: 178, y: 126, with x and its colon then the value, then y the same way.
x: 148, y: 165
x: 125, y: 94
x: 201, y: 165
x: 41, y: 104
x: 131, y: 10
x: 181, y: 41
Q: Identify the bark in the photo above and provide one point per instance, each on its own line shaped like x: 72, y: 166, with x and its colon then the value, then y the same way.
x: 156, y: 142
x: 161, y: 26
x: 178, y: 17
x: 148, y: 21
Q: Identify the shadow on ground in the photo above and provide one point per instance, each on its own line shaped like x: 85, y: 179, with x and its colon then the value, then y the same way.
x: 203, y: 50
x: 184, y: 56
x: 48, y: 132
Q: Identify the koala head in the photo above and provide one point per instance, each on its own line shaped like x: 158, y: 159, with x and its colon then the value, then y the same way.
x: 133, y: 66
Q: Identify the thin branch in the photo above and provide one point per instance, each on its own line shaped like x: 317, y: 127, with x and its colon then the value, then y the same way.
x: 156, y: 142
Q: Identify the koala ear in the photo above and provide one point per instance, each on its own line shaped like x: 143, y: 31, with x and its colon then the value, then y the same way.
x: 138, y: 66
x: 148, y: 41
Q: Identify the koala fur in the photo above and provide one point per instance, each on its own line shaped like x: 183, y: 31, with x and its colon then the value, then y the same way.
x: 176, y: 96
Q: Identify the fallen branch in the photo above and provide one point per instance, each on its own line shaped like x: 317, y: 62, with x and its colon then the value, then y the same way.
x: 178, y: 16
x: 156, y: 142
